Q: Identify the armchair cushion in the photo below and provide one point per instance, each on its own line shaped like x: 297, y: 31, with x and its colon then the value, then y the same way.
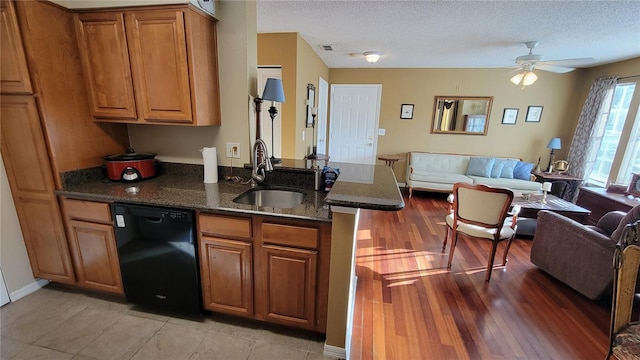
x: 610, y: 221
x: 632, y: 216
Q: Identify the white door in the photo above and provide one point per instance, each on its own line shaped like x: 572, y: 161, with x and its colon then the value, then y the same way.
x: 355, y: 113
x: 321, y: 131
x: 265, y: 119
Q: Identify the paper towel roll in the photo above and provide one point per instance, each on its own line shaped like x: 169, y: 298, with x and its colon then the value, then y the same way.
x: 210, y: 157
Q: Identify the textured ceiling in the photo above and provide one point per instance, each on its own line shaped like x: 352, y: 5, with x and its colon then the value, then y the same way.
x: 457, y: 34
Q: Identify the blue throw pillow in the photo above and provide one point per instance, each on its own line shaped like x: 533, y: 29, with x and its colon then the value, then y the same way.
x: 480, y: 166
x: 498, y: 164
x: 522, y: 170
x: 507, y: 169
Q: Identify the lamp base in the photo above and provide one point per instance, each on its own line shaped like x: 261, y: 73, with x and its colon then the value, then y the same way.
x: 275, y: 160
x: 313, y: 154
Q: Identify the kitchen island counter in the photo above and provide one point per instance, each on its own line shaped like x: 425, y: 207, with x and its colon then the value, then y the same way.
x: 181, y: 186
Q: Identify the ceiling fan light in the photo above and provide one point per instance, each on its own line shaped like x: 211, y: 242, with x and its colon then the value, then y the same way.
x: 529, y: 78
x: 372, y: 56
x: 517, y: 78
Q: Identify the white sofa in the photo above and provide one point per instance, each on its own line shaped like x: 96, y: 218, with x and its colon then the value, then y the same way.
x: 438, y: 172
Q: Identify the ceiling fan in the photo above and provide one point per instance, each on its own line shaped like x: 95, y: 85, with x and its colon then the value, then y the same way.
x: 531, y: 61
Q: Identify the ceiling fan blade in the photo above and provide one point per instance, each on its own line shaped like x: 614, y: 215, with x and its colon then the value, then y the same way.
x: 552, y: 68
x: 569, y: 62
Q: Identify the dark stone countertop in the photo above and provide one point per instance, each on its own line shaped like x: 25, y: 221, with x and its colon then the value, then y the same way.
x: 365, y: 187
x: 181, y: 186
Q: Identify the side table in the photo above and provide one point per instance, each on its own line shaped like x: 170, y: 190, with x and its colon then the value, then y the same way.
x: 571, y: 181
x: 390, y: 160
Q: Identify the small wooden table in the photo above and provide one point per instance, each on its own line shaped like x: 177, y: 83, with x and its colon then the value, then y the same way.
x: 572, y: 182
x: 390, y: 160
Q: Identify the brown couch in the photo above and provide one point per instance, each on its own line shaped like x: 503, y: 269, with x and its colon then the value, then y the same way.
x: 579, y: 255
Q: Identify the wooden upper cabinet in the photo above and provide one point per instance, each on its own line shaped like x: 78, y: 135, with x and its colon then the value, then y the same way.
x: 23, y: 147
x: 151, y: 65
x: 105, y: 61
x: 14, y: 73
x: 157, y: 44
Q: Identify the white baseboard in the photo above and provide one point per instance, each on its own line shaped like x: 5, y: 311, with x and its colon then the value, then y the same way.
x: 334, y: 351
x: 29, y: 289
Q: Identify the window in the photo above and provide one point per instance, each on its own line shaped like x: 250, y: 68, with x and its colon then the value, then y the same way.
x: 631, y: 160
x: 611, y: 125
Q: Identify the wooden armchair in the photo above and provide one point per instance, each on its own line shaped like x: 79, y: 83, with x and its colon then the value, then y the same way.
x: 479, y: 212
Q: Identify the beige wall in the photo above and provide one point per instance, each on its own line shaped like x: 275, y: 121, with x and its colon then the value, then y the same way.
x: 237, y: 54
x: 300, y: 66
x: 310, y: 68
x: 13, y: 253
x: 524, y: 140
x: 280, y: 49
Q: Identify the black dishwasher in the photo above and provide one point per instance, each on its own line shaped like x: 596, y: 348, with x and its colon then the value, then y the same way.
x: 157, y: 252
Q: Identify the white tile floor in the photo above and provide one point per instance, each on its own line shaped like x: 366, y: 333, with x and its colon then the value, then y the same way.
x: 59, y: 323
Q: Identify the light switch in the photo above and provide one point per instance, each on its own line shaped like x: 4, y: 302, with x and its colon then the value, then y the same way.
x: 382, y: 132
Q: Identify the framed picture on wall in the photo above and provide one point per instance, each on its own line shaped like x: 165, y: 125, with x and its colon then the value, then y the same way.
x: 311, y: 103
x: 406, y: 111
x: 533, y: 114
x: 634, y: 185
x: 510, y: 116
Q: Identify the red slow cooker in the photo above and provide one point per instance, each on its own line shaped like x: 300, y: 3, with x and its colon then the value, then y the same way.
x: 131, y: 166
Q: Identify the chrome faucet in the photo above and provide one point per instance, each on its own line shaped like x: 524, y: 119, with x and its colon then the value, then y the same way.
x: 261, y: 162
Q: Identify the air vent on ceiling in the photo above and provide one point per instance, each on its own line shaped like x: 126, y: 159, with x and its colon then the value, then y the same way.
x: 326, y: 47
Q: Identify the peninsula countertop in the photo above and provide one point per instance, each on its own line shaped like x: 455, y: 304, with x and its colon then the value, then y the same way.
x: 358, y: 186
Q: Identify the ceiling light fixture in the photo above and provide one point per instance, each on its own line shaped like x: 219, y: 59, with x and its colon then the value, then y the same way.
x: 526, y: 76
x: 372, y: 56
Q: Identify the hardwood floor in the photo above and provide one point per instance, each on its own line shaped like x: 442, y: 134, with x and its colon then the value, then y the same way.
x: 408, y: 306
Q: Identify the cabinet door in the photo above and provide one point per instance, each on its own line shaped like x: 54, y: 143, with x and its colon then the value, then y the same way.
x: 29, y: 172
x: 289, y: 285
x: 14, y: 73
x: 158, y: 49
x: 226, y: 271
x: 105, y: 62
x: 95, y: 256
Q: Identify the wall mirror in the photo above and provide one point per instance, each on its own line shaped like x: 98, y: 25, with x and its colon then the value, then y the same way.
x: 461, y: 115
x: 311, y: 102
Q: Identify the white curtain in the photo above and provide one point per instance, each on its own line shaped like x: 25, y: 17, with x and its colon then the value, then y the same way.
x: 585, y: 144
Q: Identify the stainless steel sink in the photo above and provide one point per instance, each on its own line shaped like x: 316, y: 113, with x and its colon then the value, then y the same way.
x: 277, y: 198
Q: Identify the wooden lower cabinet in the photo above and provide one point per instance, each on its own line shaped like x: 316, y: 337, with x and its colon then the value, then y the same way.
x: 227, y: 275
x: 93, y: 245
x: 271, y: 270
x: 44, y: 239
x: 289, y: 285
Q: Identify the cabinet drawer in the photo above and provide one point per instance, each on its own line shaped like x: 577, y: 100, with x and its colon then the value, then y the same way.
x: 290, y: 235
x: 87, y: 210
x: 236, y: 227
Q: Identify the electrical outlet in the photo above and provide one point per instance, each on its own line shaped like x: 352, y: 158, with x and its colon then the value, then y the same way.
x: 233, y: 150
